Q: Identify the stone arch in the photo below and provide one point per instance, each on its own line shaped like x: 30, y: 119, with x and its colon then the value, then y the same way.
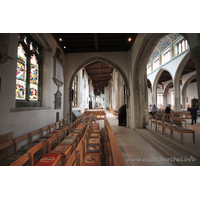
x: 177, y: 76
x: 184, y: 89
x: 90, y: 61
x: 156, y: 83
x: 165, y: 93
x: 140, y: 115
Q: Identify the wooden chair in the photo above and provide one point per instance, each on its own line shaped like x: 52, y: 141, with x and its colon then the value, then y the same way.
x: 5, y: 158
x: 178, y: 127
x: 26, y: 138
x: 52, y: 127
x: 177, y: 116
x: 157, y: 120
x: 29, y: 156
x: 51, y: 142
x: 53, y: 159
x: 166, y: 124
x: 35, y: 133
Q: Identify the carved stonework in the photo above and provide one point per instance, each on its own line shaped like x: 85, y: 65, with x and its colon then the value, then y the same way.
x: 57, y: 82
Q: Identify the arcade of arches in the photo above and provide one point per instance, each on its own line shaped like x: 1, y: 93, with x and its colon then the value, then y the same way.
x: 157, y: 69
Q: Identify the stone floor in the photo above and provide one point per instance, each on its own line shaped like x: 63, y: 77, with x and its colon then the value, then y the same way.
x: 145, y: 147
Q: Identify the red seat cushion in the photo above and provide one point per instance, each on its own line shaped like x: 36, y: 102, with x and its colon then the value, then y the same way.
x: 95, y: 127
x: 56, y: 131
x: 81, y: 125
x: 48, y: 159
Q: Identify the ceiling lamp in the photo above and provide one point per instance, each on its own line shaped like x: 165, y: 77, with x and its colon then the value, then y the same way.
x: 129, y: 39
x: 60, y: 39
x: 64, y: 47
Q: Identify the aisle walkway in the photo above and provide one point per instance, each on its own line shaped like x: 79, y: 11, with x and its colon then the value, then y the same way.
x: 136, y: 150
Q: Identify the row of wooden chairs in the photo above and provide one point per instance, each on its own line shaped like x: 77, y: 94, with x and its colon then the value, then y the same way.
x: 59, y: 155
x: 174, y: 116
x: 173, y: 124
x: 89, y: 152
x: 24, y: 143
x: 100, y: 114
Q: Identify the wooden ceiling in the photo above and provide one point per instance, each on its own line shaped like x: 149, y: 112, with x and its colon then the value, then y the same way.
x: 94, y: 42
x: 104, y: 42
x: 190, y: 67
x: 100, y: 73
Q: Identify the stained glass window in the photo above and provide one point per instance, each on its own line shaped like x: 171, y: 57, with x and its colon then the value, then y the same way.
x: 28, y: 71
x: 34, y: 73
x: 31, y: 46
x: 25, y: 40
x: 21, y: 73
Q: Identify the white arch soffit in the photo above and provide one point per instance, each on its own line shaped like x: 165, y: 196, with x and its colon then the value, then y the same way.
x: 185, y: 86
x: 101, y: 59
x: 181, y: 67
x: 157, y: 77
x: 167, y: 87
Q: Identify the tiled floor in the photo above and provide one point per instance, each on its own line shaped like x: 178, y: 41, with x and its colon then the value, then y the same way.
x: 140, y: 151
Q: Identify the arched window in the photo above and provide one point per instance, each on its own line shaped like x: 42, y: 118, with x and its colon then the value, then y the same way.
x: 28, y: 79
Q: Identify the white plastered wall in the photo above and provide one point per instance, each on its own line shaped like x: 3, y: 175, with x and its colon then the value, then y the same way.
x: 83, y: 92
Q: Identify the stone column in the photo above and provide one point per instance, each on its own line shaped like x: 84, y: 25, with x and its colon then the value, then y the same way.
x: 165, y: 99
x: 184, y: 100
x: 154, y: 96
x: 195, y: 55
x: 177, y: 105
x: 120, y: 91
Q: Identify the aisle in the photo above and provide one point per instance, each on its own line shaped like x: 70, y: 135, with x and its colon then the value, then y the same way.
x: 136, y: 150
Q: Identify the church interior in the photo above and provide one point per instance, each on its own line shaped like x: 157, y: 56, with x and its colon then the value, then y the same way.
x: 99, y: 91
x: 71, y: 87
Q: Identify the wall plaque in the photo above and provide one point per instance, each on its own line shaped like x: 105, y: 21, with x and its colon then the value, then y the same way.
x: 57, y: 101
x: 58, y: 73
